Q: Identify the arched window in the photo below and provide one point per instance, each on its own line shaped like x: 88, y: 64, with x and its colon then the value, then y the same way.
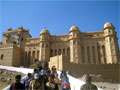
x: 38, y: 55
x: 68, y: 51
x: 59, y: 51
x: 93, y: 51
x: 2, y: 56
x: 99, y: 55
x: 83, y: 55
x: 29, y: 57
x: 73, y: 42
x: 46, y: 45
x: 63, y: 51
x: 55, y: 52
x: 104, y: 54
x: 88, y: 54
x: 42, y: 45
x: 51, y: 53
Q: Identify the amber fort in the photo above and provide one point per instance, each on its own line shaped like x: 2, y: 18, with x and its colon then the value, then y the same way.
x: 77, y: 52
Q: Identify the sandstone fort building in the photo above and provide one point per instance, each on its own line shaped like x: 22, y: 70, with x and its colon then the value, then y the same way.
x: 88, y: 52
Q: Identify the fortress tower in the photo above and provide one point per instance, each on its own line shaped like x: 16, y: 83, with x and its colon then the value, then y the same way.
x: 74, y: 40
x: 111, y: 45
x: 44, y: 46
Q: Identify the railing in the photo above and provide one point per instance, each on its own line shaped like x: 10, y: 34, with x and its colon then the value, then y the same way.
x: 74, y: 83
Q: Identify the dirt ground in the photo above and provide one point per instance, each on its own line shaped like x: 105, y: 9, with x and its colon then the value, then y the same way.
x: 107, y: 85
x: 7, y: 77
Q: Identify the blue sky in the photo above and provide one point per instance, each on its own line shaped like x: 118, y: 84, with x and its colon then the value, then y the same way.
x: 58, y: 16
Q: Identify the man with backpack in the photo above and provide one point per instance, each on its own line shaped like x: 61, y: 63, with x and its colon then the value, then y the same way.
x: 17, y: 85
x: 63, y: 75
x: 65, y: 84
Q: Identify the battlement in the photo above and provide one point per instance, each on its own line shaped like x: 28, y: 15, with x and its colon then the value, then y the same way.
x: 78, y: 70
x: 7, y: 45
x: 97, y: 66
x: 25, y: 30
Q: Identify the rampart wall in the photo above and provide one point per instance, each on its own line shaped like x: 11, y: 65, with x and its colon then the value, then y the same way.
x: 107, y: 71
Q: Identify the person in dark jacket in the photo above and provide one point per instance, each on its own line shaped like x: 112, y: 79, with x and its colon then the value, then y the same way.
x: 88, y: 85
x: 17, y: 85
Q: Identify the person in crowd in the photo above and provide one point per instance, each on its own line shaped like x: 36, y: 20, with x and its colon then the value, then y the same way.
x: 65, y: 84
x: 51, y: 85
x: 63, y: 75
x: 35, y: 71
x: 54, y: 76
x: 39, y: 68
x: 17, y: 85
x: 27, y: 80
x: 45, y: 72
x: 88, y: 85
x: 36, y: 83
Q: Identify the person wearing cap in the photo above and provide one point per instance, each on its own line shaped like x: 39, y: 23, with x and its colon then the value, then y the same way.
x: 88, y: 85
x: 17, y: 85
x: 36, y: 83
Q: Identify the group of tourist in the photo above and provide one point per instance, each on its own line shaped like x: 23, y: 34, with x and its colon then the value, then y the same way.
x: 42, y: 78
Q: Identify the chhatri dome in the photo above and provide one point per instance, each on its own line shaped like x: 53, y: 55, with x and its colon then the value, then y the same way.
x: 108, y: 24
x: 10, y: 29
x: 74, y: 28
x: 44, y: 31
x: 21, y: 27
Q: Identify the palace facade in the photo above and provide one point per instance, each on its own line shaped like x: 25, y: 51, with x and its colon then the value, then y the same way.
x: 18, y: 48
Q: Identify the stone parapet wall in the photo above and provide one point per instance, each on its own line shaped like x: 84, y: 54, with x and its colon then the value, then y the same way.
x: 108, y: 71
x: 6, y: 45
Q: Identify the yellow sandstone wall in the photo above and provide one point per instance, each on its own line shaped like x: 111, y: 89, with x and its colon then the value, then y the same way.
x: 108, y: 71
x: 7, y: 52
x: 16, y: 56
x: 56, y: 61
x: 11, y: 55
